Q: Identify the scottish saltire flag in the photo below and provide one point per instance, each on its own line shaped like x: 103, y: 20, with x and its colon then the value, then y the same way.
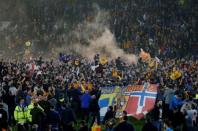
x: 139, y: 100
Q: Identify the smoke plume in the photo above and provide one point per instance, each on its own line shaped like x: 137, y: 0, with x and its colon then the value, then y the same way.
x: 91, y: 37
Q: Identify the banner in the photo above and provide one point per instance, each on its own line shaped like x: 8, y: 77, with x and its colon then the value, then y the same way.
x: 175, y: 74
x: 116, y: 74
x: 137, y: 100
x: 107, y: 98
x: 140, y: 99
x: 105, y: 101
x: 144, y: 55
x: 103, y: 60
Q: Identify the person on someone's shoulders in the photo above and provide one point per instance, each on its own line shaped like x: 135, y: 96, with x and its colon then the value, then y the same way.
x: 124, y: 125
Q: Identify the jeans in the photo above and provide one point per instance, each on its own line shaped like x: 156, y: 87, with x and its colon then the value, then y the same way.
x: 158, y: 125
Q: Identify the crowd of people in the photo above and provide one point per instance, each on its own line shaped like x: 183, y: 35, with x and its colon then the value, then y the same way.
x: 63, y: 94
x: 163, y: 27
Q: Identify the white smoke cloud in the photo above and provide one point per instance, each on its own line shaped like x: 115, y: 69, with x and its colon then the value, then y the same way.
x: 94, y: 37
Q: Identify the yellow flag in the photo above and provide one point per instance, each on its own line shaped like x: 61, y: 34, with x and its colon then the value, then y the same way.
x: 151, y: 63
x: 90, y: 86
x: 82, y: 88
x: 116, y: 74
x: 103, y: 60
x: 76, y: 85
x: 148, y: 75
x: 127, y: 45
x: 76, y: 62
x: 175, y: 74
x: 144, y: 55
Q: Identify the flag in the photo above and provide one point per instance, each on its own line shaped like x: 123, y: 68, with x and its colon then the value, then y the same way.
x: 76, y: 85
x: 86, y: 86
x: 103, y: 60
x: 175, y: 74
x: 137, y: 100
x: 76, y: 62
x: 90, y: 86
x: 127, y: 45
x: 121, y: 104
x: 83, y: 89
x: 140, y: 99
x: 152, y: 63
x: 148, y: 74
x: 144, y: 55
x: 107, y: 98
x: 105, y: 101
x: 116, y: 74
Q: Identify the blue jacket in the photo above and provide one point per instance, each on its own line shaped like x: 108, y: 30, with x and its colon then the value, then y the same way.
x: 175, y: 103
x: 85, y: 100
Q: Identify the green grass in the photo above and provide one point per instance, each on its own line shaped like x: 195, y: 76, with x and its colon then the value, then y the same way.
x: 138, y: 124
